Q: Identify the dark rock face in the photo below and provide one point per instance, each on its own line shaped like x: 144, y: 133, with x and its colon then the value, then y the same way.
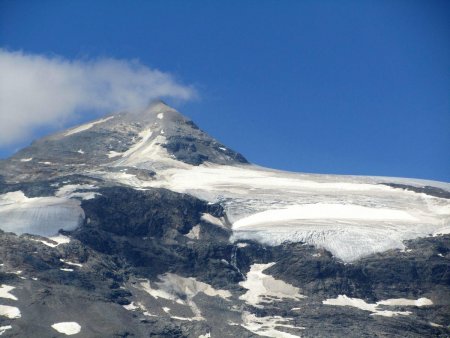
x: 194, y: 151
x: 153, y: 213
x: 428, y: 190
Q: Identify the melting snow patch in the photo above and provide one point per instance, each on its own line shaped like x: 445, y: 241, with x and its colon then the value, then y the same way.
x: 138, y: 306
x: 10, y: 312
x: 55, y: 240
x: 131, y: 307
x: 182, y: 290
x: 3, y: 329
x: 264, y: 288
x: 60, y: 239
x: 69, y: 191
x: 343, y: 300
x: 26, y: 159
x: 206, y: 335
x: 4, y: 292
x: 265, y: 326
x: 194, y: 233
x: 67, y: 328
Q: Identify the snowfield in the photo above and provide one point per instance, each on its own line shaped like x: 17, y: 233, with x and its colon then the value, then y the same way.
x: 343, y: 300
x: 350, y: 216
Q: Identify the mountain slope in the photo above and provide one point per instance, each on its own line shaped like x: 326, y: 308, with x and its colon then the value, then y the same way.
x: 163, y: 231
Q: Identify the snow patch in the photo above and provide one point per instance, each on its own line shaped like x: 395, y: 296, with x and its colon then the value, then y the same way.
x: 80, y: 151
x: 263, y: 288
x: 436, y: 325
x: 406, y: 302
x: 10, y: 312
x: 343, y: 300
x: 265, y: 326
x: 55, y: 240
x: 148, y: 153
x: 71, y: 263
x: 194, y: 233
x: 160, y: 116
x: 26, y: 159
x: 86, y: 126
x: 3, y: 329
x: 113, y: 153
x: 66, y: 270
x: 67, y: 328
x: 70, y: 191
x: 131, y: 307
x: 5, y: 292
x: 182, y: 290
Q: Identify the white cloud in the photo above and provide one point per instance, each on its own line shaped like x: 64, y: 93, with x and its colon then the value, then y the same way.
x: 38, y: 91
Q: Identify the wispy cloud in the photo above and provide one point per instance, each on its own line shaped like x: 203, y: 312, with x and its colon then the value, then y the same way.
x: 38, y: 91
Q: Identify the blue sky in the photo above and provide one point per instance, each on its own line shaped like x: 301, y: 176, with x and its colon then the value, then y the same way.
x: 346, y: 87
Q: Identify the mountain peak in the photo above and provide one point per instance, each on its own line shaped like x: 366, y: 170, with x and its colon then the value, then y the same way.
x: 154, y: 108
x: 158, y: 106
x: 154, y: 137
